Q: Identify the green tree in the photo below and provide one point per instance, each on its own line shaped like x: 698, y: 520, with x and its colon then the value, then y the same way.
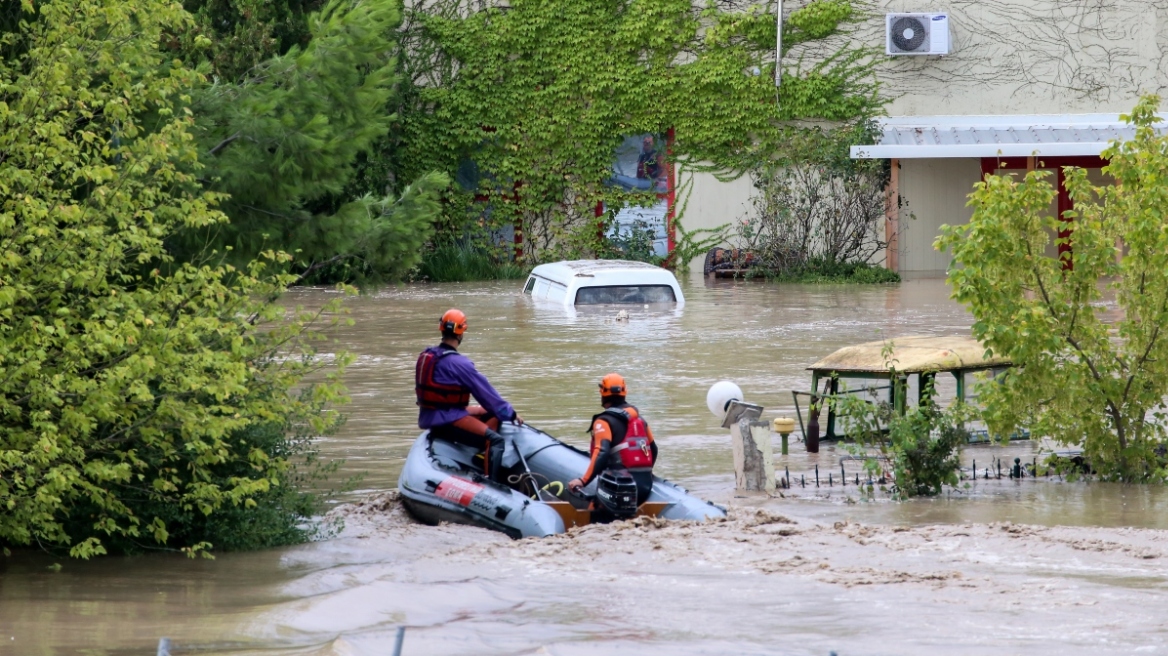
x: 282, y: 131
x: 136, y: 393
x: 1085, y: 329
x: 526, y: 104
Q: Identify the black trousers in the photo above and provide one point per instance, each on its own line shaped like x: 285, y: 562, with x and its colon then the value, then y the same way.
x: 491, y: 450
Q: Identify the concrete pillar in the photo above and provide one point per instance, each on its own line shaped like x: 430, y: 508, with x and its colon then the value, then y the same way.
x: 754, y: 468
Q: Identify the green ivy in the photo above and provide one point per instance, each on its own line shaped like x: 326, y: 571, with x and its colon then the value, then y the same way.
x: 817, y: 20
x: 534, y: 99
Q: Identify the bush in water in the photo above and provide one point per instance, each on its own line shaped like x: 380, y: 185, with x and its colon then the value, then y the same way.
x: 820, y: 271
x: 283, y: 514
x: 143, y: 402
x: 460, y: 262
x: 1084, y: 326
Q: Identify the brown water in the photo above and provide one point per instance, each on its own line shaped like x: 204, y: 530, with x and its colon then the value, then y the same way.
x: 945, y: 575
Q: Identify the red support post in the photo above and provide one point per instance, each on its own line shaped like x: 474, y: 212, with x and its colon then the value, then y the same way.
x: 671, y: 195
x: 991, y: 165
x: 518, y: 224
x: 599, y: 220
x: 1065, y: 204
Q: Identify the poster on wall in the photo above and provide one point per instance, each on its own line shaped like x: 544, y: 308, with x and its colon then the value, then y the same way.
x: 639, y: 166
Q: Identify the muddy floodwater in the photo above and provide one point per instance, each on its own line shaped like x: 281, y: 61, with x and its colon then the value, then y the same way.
x: 1003, y: 566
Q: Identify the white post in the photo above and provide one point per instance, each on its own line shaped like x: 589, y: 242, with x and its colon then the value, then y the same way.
x: 779, y: 43
x: 754, y: 468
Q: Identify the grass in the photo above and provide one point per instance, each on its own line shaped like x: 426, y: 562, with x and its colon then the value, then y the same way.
x: 823, y: 272
x: 462, y: 262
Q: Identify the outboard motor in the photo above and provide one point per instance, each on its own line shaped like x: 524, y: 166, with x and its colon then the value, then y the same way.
x: 616, y: 490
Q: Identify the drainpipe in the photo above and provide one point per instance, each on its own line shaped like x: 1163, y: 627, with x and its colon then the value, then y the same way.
x: 779, y: 43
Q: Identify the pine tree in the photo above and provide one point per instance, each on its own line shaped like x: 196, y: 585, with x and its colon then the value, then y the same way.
x: 282, y: 139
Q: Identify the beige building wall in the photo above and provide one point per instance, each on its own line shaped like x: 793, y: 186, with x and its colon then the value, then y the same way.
x: 1007, y: 57
x: 710, y: 203
x: 933, y: 193
x: 1028, y: 57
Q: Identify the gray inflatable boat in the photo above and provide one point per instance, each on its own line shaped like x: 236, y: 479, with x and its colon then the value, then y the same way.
x: 441, y: 481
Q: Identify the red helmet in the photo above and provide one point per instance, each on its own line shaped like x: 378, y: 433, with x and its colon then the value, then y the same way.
x: 452, y: 322
x: 613, y: 385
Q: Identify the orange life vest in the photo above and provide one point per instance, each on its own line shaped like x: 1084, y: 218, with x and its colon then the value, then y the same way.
x: 433, y: 395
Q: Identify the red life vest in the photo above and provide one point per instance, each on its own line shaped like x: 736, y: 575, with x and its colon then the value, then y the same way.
x: 433, y: 395
x: 631, y: 447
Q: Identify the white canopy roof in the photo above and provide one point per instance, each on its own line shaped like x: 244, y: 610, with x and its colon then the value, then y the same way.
x: 1052, y: 135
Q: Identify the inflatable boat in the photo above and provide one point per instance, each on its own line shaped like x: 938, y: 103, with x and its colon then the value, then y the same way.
x: 441, y: 481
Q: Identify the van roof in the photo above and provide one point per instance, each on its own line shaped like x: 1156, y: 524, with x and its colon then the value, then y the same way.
x: 585, y: 267
x: 573, y: 275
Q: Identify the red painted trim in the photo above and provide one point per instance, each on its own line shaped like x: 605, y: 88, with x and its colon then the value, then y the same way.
x: 1065, y: 204
x: 1083, y: 162
x: 670, y: 229
x: 518, y: 224
x: 988, y: 166
x: 991, y: 164
x: 599, y: 222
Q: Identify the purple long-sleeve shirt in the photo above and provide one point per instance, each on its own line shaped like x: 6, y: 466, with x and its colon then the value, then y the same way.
x: 457, y: 369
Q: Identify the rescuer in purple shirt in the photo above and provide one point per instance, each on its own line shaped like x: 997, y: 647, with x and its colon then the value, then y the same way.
x: 444, y: 381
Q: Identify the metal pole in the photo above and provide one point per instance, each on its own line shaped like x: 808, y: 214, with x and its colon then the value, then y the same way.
x: 401, y: 637
x: 779, y: 43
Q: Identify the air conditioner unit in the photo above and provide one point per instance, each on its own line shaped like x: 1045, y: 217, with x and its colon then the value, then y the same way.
x: 916, y: 34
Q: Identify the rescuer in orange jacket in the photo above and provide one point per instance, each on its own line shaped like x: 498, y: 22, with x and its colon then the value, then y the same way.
x: 444, y: 382
x: 621, y: 439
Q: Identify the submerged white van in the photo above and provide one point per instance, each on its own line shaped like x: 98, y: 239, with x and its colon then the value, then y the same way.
x: 603, y: 282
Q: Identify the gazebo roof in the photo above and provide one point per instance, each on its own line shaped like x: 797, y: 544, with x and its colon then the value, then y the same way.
x: 912, y: 354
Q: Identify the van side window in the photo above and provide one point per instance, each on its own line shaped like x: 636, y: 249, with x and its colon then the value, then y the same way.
x: 529, y: 286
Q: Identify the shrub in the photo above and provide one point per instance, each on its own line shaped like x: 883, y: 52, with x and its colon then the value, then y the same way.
x: 460, y: 262
x: 922, y: 443
x: 142, y: 401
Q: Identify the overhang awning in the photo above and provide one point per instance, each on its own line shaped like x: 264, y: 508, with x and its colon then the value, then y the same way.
x: 1049, y: 135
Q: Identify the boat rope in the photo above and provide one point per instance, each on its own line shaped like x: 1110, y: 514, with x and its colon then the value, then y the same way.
x: 532, y: 479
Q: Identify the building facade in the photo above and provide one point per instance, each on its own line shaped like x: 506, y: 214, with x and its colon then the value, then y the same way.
x: 1027, y: 84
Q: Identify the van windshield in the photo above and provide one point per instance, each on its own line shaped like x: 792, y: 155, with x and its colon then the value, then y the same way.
x: 625, y: 294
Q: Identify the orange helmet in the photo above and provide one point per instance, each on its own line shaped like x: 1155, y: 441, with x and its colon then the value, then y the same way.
x: 453, y: 322
x: 613, y: 385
